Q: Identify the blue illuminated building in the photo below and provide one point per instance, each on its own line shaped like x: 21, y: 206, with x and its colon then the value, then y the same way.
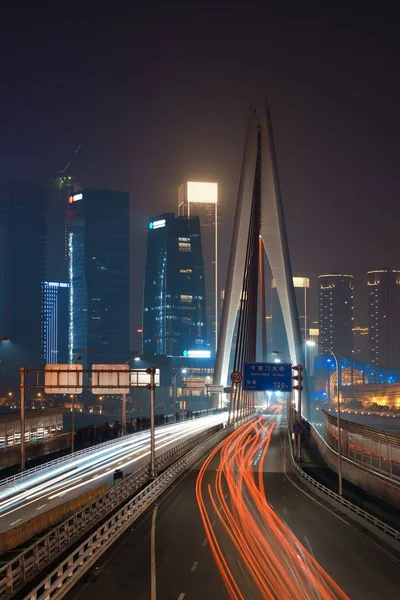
x: 174, y: 307
x: 99, y: 276
x: 55, y: 322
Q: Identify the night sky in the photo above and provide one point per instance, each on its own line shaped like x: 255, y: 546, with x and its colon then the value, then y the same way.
x: 159, y: 94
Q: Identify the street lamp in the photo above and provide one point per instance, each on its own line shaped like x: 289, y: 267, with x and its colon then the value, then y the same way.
x: 313, y: 343
x: 182, y: 371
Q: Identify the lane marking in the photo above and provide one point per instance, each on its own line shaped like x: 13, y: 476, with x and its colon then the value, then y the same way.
x: 181, y: 596
x: 15, y: 522
x: 205, y: 542
x: 153, y: 555
x: 194, y: 566
x: 40, y: 507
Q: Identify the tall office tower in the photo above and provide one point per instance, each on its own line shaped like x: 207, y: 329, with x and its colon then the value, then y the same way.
x: 336, y: 313
x: 22, y: 271
x: 174, y: 316
x: 312, y: 352
x: 99, y: 276
x: 384, y: 317
x: 201, y: 199
x: 361, y: 343
x: 278, y: 332
x: 55, y: 322
x: 57, y: 193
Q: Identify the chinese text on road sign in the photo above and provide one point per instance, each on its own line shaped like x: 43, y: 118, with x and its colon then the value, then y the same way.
x: 274, y: 377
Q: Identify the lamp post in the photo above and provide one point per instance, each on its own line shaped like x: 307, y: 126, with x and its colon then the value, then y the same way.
x: 78, y: 356
x: 313, y: 343
x: 182, y: 372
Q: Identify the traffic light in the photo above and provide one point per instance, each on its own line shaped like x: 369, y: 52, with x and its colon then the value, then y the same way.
x: 298, y: 377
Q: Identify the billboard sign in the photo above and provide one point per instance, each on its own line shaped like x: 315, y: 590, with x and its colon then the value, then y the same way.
x: 267, y: 377
x: 63, y: 379
x: 139, y: 378
x: 110, y: 379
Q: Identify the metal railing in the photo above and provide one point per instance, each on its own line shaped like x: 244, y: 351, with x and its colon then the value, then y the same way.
x: 363, y: 514
x: 59, y: 582
x: 28, y: 563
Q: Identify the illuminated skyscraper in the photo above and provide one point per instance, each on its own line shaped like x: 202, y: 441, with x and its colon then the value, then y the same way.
x: 361, y: 343
x: 174, y: 318
x: 336, y: 313
x: 384, y: 317
x: 55, y: 322
x: 99, y: 276
x: 201, y: 199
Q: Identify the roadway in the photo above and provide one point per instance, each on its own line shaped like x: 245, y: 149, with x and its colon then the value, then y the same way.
x: 57, y: 484
x: 215, y: 531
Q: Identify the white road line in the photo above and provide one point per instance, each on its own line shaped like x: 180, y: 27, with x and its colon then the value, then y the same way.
x: 205, y: 542
x: 194, y: 566
x: 15, y: 522
x: 181, y: 596
x: 40, y: 507
x: 153, y: 555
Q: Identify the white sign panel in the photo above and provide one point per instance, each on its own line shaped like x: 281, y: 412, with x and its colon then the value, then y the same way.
x: 139, y: 378
x: 63, y: 379
x: 203, y: 193
x: 110, y: 379
x: 215, y: 389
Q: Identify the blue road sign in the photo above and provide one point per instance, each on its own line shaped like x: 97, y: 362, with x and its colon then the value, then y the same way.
x: 267, y: 377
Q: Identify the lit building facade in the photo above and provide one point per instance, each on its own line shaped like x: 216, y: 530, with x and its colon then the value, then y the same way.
x: 22, y: 272
x: 201, y: 199
x: 278, y: 332
x: 336, y: 319
x: 312, y: 350
x: 99, y: 276
x: 361, y: 343
x: 174, y: 307
x: 384, y: 317
x: 55, y: 322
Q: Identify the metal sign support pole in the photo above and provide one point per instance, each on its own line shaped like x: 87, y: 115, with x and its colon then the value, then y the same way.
x: 152, y: 387
x: 123, y: 414
x: 22, y: 400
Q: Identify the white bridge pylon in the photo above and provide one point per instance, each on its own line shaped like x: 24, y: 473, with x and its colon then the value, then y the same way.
x: 273, y: 232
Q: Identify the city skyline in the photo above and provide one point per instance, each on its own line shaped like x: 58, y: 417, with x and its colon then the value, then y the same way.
x: 336, y: 133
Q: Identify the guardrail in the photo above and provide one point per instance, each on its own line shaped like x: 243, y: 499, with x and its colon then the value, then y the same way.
x: 363, y: 514
x: 60, y: 581
x: 61, y: 459
x: 27, y: 564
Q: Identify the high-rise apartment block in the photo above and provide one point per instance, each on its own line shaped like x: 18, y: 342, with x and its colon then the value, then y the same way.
x: 361, y: 343
x: 201, y: 199
x: 384, y: 317
x: 99, y: 276
x: 174, y: 315
x: 336, y: 313
x: 22, y: 272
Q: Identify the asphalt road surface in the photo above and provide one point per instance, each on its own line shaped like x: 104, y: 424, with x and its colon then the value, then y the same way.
x: 214, y: 531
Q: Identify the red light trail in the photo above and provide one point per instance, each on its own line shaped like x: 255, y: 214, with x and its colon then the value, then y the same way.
x: 275, y: 560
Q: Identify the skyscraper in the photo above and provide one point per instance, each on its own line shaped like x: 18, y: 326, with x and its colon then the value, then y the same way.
x: 336, y: 313
x: 174, y: 318
x: 384, y: 317
x: 99, y: 275
x: 361, y: 343
x: 22, y: 270
x: 201, y: 199
x: 55, y: 322
x: 278, y: 333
